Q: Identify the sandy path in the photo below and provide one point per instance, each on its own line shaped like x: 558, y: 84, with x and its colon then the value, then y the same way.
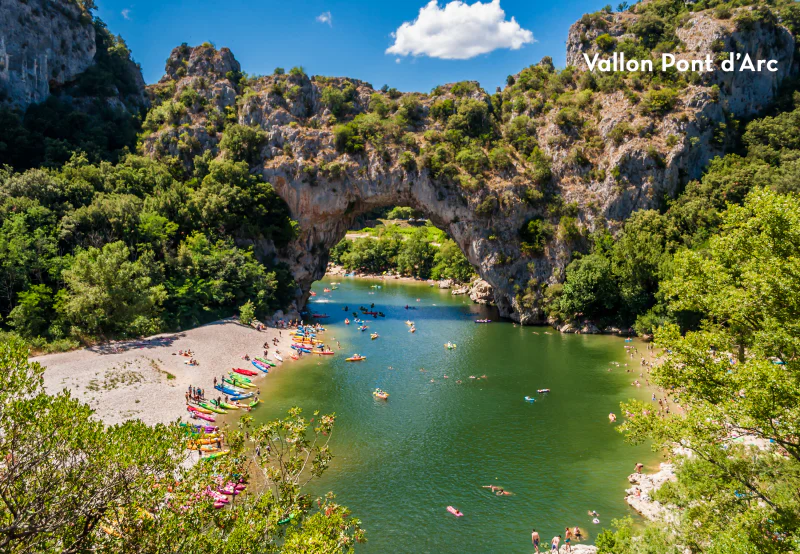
x: 142, y: 379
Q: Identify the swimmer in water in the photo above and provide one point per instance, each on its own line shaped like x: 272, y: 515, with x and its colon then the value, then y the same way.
x: 499, y: 491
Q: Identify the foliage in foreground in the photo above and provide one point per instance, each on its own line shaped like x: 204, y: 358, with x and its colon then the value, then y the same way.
x: 737, y: 376
x: 68, y: 483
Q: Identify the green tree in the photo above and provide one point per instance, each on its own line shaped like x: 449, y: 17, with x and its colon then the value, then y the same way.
x: 108, y: 293
x: 736, y: 376
x: 72, y: 484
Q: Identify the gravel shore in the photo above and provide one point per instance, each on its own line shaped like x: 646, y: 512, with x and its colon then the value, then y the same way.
x: 146, y: 379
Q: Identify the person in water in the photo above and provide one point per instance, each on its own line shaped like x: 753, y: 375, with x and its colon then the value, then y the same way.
x: 638, y: 467
x: 499, y: 491
x: 554, y: 543
x: 535, y: 539
x: 568, y: 539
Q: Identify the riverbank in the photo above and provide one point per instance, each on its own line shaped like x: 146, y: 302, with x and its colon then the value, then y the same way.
x: 147, y: 378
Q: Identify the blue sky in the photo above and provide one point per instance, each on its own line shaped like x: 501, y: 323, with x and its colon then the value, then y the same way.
x: 265, y: 34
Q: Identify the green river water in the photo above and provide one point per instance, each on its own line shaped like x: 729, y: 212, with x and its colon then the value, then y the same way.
x: 399, y: 463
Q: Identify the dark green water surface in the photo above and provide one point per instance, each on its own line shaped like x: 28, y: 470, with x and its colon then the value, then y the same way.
x: 399, y: 463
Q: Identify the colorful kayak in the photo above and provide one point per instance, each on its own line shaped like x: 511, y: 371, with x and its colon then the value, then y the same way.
x: 529, y: 399
x: 267, y: 361
x: 216, y: 455
x: 202, y: 416
x: 324, y: 352
x: 243, y: 396
x: 236, y: 383
x: 382, y: 394
x: 247, y: 372
x: 213, y: 408
x: 203, y: 410
x: 455, y: 512
x: 255, y: 403
x: 228, y: 390
x: 228, y: 406
x: 237, y: 377
x: 374, y: 336
x: 450, y: 346
x: 278, y: 357
x: 301, y: 349
x: 355, y: 358
x: 261, y: 367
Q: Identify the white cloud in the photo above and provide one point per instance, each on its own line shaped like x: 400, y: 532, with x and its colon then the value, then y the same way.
x: 458, y: 31
x: 126, y: 14
x: 325, y: 17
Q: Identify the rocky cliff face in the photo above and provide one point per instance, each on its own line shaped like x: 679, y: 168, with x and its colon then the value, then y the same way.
x: 43, y: 43
x: 606, y: 156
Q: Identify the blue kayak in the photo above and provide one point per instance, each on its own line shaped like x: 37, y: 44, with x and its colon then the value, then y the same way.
x: 258, y: 366
x: 227, y: 390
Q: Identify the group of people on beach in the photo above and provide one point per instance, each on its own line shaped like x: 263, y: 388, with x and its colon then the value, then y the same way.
x: 195, y: 394
x: 569, y: 534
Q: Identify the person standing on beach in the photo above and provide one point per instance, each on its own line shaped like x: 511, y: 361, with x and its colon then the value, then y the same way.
x: 554, y: 543
x: 568, y: 539
x: 535, y: 540
x: 215, y: 380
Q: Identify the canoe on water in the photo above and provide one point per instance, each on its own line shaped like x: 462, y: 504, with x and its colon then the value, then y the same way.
x: 355, y: 358
x: 324, y: 352
x: 255, y: 403
x: 242, y: 396
x: 453, y: 511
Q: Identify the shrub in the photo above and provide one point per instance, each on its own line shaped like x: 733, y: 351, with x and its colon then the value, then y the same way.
x: 658, y: 102
x: 247, y: 313
x: 347, y: 138
x: 472, y: 159
x: 605, y: 42
x: 407, y: 161
x: 534, y: 236
x: 499, y: 158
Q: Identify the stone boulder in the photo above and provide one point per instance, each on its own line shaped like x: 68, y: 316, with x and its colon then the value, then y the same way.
x: 481, y: 292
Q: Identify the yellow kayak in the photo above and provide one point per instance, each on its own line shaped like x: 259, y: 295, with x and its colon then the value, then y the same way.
x: 355, y: 359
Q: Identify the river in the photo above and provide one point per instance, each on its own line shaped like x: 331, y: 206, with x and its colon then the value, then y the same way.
x: 436, y: 441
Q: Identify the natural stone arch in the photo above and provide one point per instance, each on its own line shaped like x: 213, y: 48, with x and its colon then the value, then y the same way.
x: 325, y: 212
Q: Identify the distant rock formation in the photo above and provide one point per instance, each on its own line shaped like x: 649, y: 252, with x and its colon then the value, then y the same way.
x: 43, y: 44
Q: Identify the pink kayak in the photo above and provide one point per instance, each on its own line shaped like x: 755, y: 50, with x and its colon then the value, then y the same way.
x: 454, y: 511
x: 206, y: 417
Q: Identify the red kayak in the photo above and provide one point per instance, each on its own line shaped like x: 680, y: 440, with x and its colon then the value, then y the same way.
x: 199, y: 415
x: 319, y: 316
x: 245, y: 371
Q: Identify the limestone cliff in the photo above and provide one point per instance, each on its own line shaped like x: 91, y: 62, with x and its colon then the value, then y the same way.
x: 580, y: 154
x: 42, y: 43
x: 46, y: 46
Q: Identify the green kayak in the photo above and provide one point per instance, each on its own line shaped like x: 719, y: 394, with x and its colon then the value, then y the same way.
x: 236, y: 376
x: 255, y: 403
x: 212, y: 407
x: 270, y: 363
x: 235, y: 383
x: 228, y: 406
